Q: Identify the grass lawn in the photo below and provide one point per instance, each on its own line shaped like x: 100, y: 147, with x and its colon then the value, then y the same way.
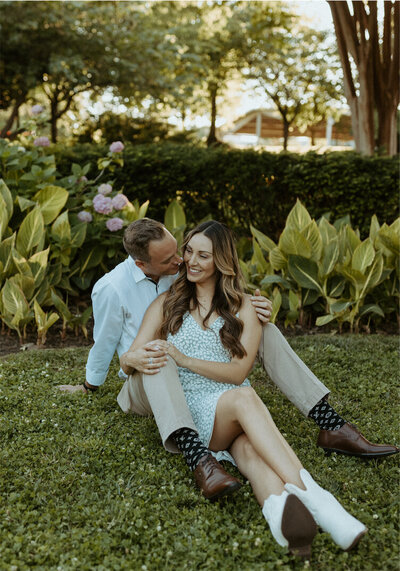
x: 85, y: 487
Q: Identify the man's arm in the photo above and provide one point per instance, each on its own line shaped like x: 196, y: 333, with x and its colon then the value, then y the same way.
x: 262, y: 306
x: 108, y: 321
x: 144, y: 346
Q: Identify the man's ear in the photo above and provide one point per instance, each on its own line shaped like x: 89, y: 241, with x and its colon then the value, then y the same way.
x: 140, y: 264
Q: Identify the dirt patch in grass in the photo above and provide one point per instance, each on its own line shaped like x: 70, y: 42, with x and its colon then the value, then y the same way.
x: 10, y: 343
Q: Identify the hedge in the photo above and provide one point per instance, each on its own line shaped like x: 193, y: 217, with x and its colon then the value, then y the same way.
x: 246, y: 186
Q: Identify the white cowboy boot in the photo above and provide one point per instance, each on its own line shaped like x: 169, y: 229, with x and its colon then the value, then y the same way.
x: 345, y: 529
x: 291, y: 523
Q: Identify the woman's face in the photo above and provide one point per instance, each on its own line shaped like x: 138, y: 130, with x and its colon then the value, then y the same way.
x: 199, y: 259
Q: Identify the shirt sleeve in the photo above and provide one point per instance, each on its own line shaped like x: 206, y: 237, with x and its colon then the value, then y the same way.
x: 108, y: 323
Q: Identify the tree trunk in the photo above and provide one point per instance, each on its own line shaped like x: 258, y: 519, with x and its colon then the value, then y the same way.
x: 286, y: 126
x: 53, y: 120
x: 12, y: 117
x: 387, y: 132
x: 377, y: 61
x: 212, y: 137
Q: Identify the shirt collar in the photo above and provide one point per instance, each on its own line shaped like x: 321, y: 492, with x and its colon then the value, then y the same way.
x: 139, y: 275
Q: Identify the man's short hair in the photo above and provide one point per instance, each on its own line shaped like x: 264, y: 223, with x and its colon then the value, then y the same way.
x: 138, y: 235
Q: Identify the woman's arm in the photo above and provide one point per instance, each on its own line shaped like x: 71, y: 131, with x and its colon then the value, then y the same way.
x: 237, y: 369
x: 136, y: 355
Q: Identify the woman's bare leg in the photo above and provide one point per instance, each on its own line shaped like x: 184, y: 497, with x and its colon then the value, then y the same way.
x: 263, y: 480
x: 241, y: 410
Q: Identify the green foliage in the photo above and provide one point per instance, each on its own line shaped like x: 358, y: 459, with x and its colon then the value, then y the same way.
x: 243, y: 187
x: 326, y: 267
x: 48, y: 252
x: 86, y: 487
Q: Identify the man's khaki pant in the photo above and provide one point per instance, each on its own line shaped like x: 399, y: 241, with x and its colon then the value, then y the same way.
x: 162, y: 395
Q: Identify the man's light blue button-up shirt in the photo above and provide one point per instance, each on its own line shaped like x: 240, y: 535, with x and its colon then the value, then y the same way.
x: 119, y: 299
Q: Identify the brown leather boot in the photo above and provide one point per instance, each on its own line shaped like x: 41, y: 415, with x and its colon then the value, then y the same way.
x: 349, y: 440
x: 212, y: 479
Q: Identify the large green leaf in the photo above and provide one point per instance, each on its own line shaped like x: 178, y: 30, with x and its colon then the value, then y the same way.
x: 258, y: 259
x: 38, y: 265
x: 277, y: 259
x: 324, y: 319
x: 374, y: 228
x: 7, y: 197
x: 266, y: 243
x: 353, y: 238
x: 298, y: 217
x: 175, y: 218
x: 21, y: 263
x: 274, y: 279
x: 24, y: 203
x: 78, y: 235
x: 292, y: 241
x: 330, y: 256
x: 51, y: 200
x: 313, y: 236
x: 304, y: 272
x: 3, y: 216
x: 6, y: 247
x: 25, y: 283
x: 30, y: 232
x: 91, y: 259
x: 363, y: 256
x: 14, y: 299
x: 327, y: 231
x: 61, y: 229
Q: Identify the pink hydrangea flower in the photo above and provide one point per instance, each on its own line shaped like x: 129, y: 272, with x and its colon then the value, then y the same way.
x: 41, y: 142
x: 37, y: 109
x: 104, y: 188
x: 102, y: 204
x: 117, y: 147
x: 119, y: 201
x: 114, y: 224
x: 85, y: 216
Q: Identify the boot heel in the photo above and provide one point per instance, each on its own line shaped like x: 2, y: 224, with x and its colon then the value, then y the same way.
x: 298, y: 527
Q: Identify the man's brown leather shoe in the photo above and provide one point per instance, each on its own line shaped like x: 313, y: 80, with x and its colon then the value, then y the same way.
x: 349, y: 440
x: 212, y: 479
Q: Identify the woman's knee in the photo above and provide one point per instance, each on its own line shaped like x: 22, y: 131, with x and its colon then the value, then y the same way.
x: 243, y: 449
x: 245, y: 398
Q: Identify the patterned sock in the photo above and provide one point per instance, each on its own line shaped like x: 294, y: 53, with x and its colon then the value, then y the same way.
x: 326, y: 416
x: 189, y: 443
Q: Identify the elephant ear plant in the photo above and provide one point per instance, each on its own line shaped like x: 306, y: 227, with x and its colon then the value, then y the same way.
x: 326, y: 270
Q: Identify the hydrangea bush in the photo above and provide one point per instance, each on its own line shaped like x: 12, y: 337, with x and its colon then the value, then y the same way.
x: 58, y: 234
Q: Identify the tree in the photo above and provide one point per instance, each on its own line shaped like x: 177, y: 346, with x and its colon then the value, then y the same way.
x: 296, y: 69
x: 371, y: 63
x: 23, y: 56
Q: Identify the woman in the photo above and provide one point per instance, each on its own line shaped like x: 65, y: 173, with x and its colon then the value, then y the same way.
x: 208, y: 325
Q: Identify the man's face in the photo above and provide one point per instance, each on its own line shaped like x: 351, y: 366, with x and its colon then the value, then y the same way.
x: 164, y: 258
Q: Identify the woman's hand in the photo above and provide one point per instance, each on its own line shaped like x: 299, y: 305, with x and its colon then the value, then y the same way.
x: 147, y: 359
x: 180, y: 359
x: 262, y: 306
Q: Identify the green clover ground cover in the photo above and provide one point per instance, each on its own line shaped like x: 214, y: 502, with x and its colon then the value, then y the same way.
x: 85, y: 487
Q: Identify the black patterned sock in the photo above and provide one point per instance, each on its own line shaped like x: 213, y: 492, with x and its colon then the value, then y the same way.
x: 326, y: 416
x: 189, y: 443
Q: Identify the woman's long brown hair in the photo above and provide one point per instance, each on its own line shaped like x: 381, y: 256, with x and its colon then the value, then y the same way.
x: 228, y: 295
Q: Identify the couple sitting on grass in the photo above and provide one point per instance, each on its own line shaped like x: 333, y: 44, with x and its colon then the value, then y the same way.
x: 188, y: 365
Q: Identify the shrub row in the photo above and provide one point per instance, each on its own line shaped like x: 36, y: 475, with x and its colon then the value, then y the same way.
x: 245, y: 186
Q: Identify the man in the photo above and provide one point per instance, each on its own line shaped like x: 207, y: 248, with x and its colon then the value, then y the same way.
x: 120, y: 299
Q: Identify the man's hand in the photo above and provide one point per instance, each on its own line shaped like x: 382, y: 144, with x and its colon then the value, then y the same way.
x: 71, y: 388
x: 263, y: 307
x: 147, y: 359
